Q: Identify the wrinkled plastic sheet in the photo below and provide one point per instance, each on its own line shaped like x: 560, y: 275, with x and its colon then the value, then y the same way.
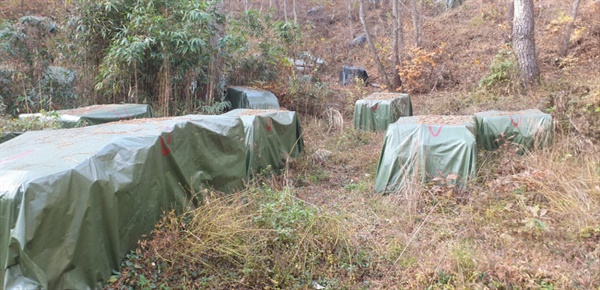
x: 421, y: 148
x: 74, y: 202
x: 248, y: 98
x: 272, y: 136
x: 97, y: 114
x: 379, y: 110
x: 527, y: 129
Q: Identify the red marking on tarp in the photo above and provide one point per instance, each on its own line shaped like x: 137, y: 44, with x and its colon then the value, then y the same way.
x: 515, y: 124
x: 16, y: 156
x: 374, y: 108
x: 163, y: 147
x: 269, y: 123
x: 126, y: 113
x: 118, y: 115
x: 436, y: 133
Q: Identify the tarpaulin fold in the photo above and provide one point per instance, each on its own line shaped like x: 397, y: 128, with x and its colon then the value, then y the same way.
x: 272, y: 136
x: 379, y: 110
x: 74, y: 202
x: 249, y: 98
x: 418, y: 149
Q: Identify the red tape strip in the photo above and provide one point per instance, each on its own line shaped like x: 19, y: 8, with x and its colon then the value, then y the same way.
x: 435, y: 134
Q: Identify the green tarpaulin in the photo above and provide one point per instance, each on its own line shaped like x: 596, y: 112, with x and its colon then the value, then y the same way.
x: 271, y: 137
x: 74, y: 202
x: 527, y: 129
x: 97, y: 114
x: 377, y: 111
x: 248, y: 98
x: 420, y: 148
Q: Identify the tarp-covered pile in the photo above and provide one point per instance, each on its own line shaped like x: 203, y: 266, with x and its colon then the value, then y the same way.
x: 420, y: 148
x: 377, y: 111
x: 271, y: 137
x: 74, y: 202
x: 97, y: 114
x: 527, y: 129
x: 248, y: 98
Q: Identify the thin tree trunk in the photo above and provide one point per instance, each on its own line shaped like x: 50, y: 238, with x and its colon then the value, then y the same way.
x: 397, y: 24
x: 417, y: 19
x: 350, y: 24
x: 510, y: 14
x: 524, y: 42
x: 371, y: 46
x: 285, y: 10
x: 294, y: 10
x: 564, y: 50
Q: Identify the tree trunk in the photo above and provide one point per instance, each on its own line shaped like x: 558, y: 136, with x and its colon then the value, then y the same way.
x: 285, y: 10
x: 510, y: 14
x: 371, y: 46
x: 524, y: 42
x: 350, y: 24
x: 417, y: 19
x: 564, y: 50
x: 398, y: 42
x: 294, y: 10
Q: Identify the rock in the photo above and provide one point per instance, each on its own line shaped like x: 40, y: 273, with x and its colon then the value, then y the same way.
x: 350, y: 73
x: 358, y: 41
x: 315, y: 10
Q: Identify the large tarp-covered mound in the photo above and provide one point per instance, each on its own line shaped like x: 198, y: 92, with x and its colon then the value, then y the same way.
x: 377, y: 111
x: 74, y: 202
x: 271, y: 137
x: 420, y: 148
x: 527, y: 129
x: 98, y: 114
x: 248, y: 98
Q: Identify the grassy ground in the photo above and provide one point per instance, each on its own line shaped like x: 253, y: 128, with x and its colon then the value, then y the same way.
x: 527, y: 221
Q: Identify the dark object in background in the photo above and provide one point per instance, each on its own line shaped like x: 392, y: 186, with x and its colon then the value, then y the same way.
x: 349, y: 73
x: 358, y: 41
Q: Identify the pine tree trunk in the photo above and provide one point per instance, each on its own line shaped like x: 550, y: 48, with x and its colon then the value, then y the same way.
x: 564, y: 50
x: 524, y: 42
x: 372, y: 46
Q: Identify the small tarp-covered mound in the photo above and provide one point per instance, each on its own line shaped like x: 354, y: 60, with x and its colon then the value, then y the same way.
x: 74, y: 202
x: 378, y: 110
x: 271, y: 137
x: 420, y: 148
x: 248, y: 98
x: 527, y: 129
x: 98, y: 114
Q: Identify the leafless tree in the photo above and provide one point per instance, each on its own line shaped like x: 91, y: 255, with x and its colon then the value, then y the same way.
x: 416, y: 7
x: 564, y: 50
x: 398, y: 45
x: 371, y: 45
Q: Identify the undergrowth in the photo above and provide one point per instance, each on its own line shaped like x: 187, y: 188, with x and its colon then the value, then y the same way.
x: 258, y: 238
